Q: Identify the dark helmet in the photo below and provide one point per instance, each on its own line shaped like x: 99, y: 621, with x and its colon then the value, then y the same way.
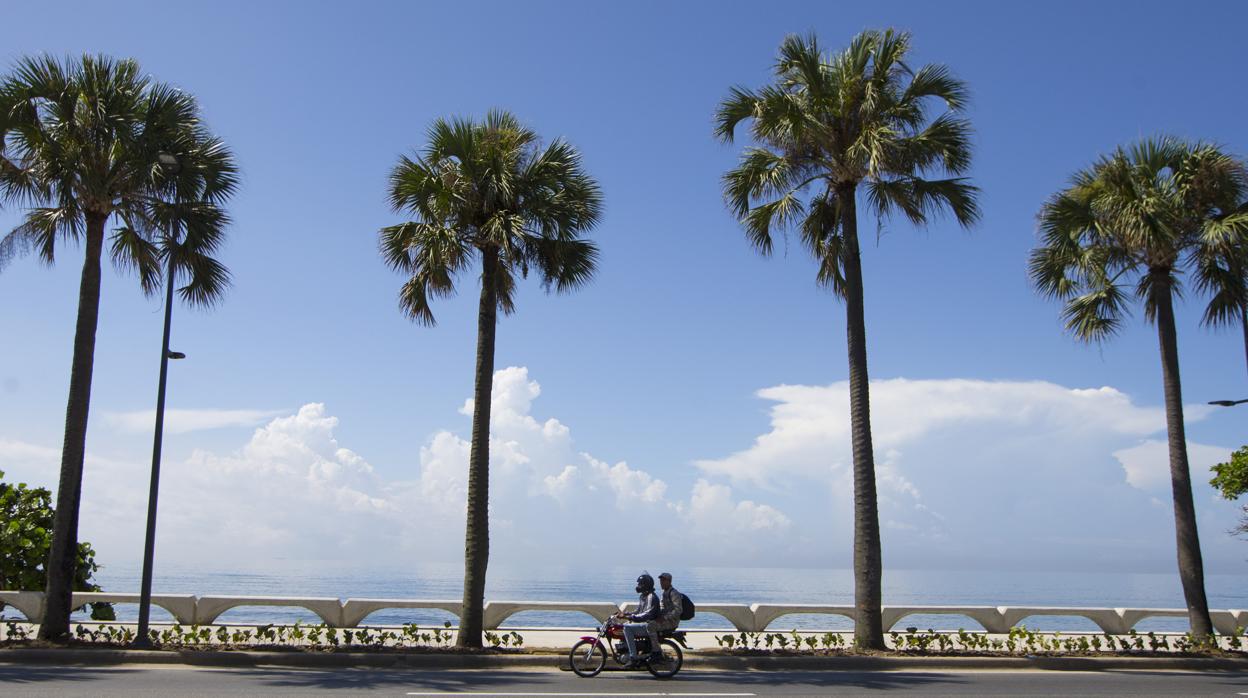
x: 645, y: 583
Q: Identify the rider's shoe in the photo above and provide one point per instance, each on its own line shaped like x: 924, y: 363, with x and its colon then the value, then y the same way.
x: 655, y: 657
x: 632, y: 662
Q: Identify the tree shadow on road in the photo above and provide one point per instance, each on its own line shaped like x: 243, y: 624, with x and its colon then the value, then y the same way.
x: 12, y: 674
x: 871, y: 680
x: 437, y: 680
x: 555, y: 681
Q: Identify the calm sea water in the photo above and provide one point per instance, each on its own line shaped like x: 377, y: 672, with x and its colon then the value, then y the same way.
x: 705, y: 585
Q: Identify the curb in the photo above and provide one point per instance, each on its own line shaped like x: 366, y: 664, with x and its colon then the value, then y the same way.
x: 340, y: 660
x: 868, y: 663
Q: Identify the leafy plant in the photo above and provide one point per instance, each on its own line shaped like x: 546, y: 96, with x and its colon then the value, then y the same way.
x: 832, y: 640
x: 1231, y: 478
x: 26, y: 517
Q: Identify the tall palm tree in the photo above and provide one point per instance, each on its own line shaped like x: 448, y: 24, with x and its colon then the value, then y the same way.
x: 829, y: 124
x: 490, y: 190
x: 1130, y: 225
x: 82, y: 145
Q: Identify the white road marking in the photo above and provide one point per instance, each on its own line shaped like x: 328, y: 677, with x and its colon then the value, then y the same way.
x: 530, y: 693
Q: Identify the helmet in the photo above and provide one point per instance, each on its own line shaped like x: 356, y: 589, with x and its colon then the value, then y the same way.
x: 645, y: 583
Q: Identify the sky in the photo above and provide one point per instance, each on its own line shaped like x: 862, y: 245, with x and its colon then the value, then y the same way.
x: 694, y: 385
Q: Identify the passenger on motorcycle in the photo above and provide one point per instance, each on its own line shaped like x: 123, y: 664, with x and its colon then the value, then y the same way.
x: 647, y: 610
x: 669, y: 606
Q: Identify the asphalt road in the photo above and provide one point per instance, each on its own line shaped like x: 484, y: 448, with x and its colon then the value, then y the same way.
x: 148, y: 680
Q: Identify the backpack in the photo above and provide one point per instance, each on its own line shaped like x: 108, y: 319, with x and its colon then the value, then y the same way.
x: 686, y: 607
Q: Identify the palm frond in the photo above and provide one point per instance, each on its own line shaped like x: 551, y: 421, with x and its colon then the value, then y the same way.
x: 505, y: 289
x: 566, y: 265
x: 738, y: 107
x: 38, y: 234
x: 849, y: 118
x: 938, y: 81
x: 1096, y: 315
x: 492, y: 186
x: 206, y: 278
x: 1158, y: 208
x: 1227, y: 288
x: 87, y: 134
x: 132, y: 252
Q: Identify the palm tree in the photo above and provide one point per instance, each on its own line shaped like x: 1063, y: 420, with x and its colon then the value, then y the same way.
x: 827, y: 125
x: 82, y: 145
x: 1130, y: 225
x: 487, y: 189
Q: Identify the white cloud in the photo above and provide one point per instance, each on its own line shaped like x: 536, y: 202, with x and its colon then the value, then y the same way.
x: 969, y: 473
x: 293, y: 491
x: 810, y: 424
x: 180, y: 421
x: 977, y: 472
x: 543, y: 486
x: 630, y: 486
x: 712, y: 509
x: 1147, y: 465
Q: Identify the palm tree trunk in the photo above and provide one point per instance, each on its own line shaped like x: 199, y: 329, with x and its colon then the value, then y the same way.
x: 868, y: 564
x: 63, y: 556
x: 1191, y: 568
x: 1244, y: 323
x: 477, y: 534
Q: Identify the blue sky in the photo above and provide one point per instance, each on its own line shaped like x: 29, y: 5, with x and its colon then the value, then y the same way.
x: 659, y: 363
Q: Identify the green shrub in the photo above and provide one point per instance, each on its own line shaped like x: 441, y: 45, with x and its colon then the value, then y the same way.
x: 26, y: 517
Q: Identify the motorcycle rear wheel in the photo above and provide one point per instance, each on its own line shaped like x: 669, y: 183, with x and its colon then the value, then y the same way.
x: 672, y: 660
x: 587, y: 658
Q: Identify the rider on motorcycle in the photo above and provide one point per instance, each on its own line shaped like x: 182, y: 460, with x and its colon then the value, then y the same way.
x: 670, y: 605
x: 647, y: 610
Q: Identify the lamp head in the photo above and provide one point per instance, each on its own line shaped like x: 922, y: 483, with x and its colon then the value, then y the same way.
x: 169, y: 162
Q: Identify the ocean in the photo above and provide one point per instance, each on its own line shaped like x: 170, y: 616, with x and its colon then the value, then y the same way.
x: 703, y: 585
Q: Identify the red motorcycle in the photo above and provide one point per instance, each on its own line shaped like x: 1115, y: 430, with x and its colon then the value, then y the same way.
x: 589, y: 655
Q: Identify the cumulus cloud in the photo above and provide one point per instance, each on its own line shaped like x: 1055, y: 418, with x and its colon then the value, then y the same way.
x: 969, y: 473
x: 712, y: 509
x: 293, y: 491
x: 1147, y: 465
x: 810, y: 424
x: 180, y: 421
x: 543, y: 486
x: 973, y: 472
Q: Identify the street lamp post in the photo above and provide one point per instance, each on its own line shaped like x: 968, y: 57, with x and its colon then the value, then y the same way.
x: 141, y: 640
x: 1227, y: 403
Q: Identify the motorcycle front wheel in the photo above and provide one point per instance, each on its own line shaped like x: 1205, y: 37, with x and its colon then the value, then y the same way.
x: 587, y: 658
x: 671, y: 662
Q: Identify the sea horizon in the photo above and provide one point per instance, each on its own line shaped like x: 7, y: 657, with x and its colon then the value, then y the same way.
x: 830, y: 586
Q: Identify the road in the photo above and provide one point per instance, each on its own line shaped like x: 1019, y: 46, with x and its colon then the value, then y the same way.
x: 149, y: 680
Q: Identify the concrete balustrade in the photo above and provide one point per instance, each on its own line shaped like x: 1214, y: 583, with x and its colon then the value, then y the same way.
x: 356, y: 610
x: 180, y: 606
x: 1225, y: 622
x: 204, y: 610
x: 30, y: 603
x: 740, y: 615
x: 498, y: 611
x: 209, y: 607
x: 991, y: 618
x: 764, y: 613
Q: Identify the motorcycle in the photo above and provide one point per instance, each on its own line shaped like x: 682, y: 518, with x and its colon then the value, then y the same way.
x: 589, y: 655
